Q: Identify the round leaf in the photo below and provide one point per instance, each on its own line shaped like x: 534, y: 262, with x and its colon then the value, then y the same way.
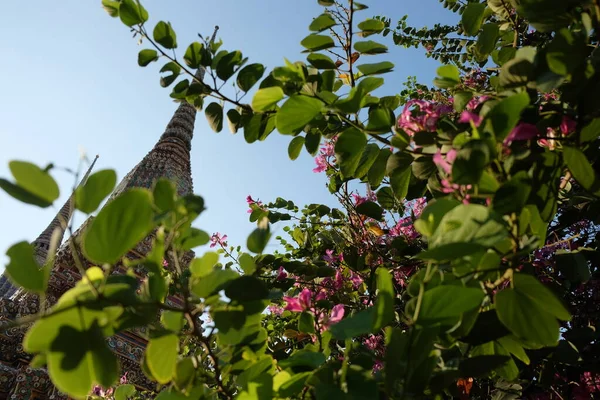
x: 296, y: 112
x: 165, y: 35
x: 99, y: 185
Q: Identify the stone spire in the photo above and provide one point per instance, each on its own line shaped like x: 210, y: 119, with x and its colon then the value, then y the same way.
x: 41, y: 245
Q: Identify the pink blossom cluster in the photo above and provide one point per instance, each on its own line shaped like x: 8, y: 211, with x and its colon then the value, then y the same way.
x: 566, y: 127
x: 358, y: 199
x: 331, y: 258
x: 327, y: 151
x: 405, y: 228
x: 98, y: 390
x: 218, y: 239
x: 421, y: 115
x: 304, y: 302
x: 470, y: 115
x: 444, y: 162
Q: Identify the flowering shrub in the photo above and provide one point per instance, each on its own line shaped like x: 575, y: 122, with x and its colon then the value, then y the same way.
x: 468, y: 268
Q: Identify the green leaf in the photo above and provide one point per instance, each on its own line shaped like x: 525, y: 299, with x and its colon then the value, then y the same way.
x: 384, y: 304
x: 566, y: 52
x: 376, y: 68
x: 161, y: 357
x: 505, y: 115
x: 111, y: 7
x: 205, y: 265
x: 370, y: 47
x: 591, y: 131
x: 381, y: 119
x: 481, y: 365
x: 322, y: 22
x: 265, y: 99
x: 385, y: 197
x: 249, y: 75
x: 470, y: 162
x: 400, y: 180
x: 321, y: 61
x: 193, y: 55
x: 172, y: 320
x: 370, y: 27
x: 214, y: 116
x: 579, y: 166
x: 234, y: 120
x: 448, y: 77
x: 511, y: 196
x: 147, y: 56
x: 227, y: 63
x: 526, y: 319
x: 450, y: 251
x: 433, y: 214
x: 296, y: 112
x: 258, y: 239
x: 247, y: 263
x: 246, y: 289
x: 132, y: 13
x: 370, y: 209
x: 165, y: 35
x: 164, y: 194
x: 378, y: 169
x: 212, y: 283
x: 23, y: 269
x: 174, y: 69
x: 367, y: 160
x: 34, y: 180
x: 573, y: 266
x: 312, y: 142
x: 303, y: 358
x: 295, y: 147
x: 99, y: 185
x: 472, y: 18
x: 486, y: 41
x: 444, y: 302
x: 348, y: 150
x: 124, y: 392
x: 119, y: 226
x: 317, y: 42
x: 530, y: 287
x: 355, y: 325
x: 326, y: 3
x: 306, y: 322
x: 22, y: 195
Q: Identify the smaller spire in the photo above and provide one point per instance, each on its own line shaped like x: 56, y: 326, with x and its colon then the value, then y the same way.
x: 41, y: 245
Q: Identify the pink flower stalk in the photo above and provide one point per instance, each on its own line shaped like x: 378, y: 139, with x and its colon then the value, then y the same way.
x: 281, y: 274
x: 216, y: 238
x: 302, y: 303
x: 523, y: 131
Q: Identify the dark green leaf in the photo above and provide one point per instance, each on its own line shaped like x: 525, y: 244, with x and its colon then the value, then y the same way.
x: 381, y: 119
x: 400, y: 180
x: 34, y: 180
x: 384, y: 304
x: 450, y: 251
x: 579, y: 166
x: 366, y: 160
x: 258, y: 240
x: 119, y: 226
x: 322, y: 22
x: 470, y: 162
x: 174, y: 69
x: 378, y: 169
x: 193, y: 55
x: 370, y: 209
x: 486, y: 41
x: 249, y: 75
x: 165, y: 35
x: 348, y: 149
x: 23, y: 269
x: 376, y: 68
x: 591, y: 131
x: 147, y: 56
x: 461, y: 99
x: 539, y: 294
x: 227, y: 64
x: 355, y: 325
x: 99, y: 185
x: 306, y: 322
x: 132, y: 13
x: 505, y: 115
x: 303, y: 358
x: 472, y: 18
x: 320, y: 61
x: 296, y: 112
x: 212, y: 283
x: 247, y: 288
x: 317, y: 42
x: 443, y: 302
x: 214, y: 116
x: 312, y: 142
x: 385, y: 197
x: 481, y: 365
x: 295, y: 147
x: 234, y: 120
x: 370, y: 47
x: 511, y: 196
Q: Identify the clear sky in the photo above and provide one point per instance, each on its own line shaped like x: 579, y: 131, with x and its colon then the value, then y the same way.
x: 70, y: 81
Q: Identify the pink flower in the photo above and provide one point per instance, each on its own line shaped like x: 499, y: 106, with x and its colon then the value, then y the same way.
x: 567, y: 125
x: 275, y: 309
x: 322, y: 295
x: 281, y: 274
x: 337, y: 313
x: 445, y: 163
x: 423, y: 118
x: 405, y: 228
x: 321, y: 164
x: 356, y: 280
x: 338, y: 283
x: 328, y: 150
x: 123, y: 379
x: 523, y: 131
x: 302, y: 303
x: 476, y: 101
x: 216, y: 238
x: 165, y: 263
x: 470, y: 116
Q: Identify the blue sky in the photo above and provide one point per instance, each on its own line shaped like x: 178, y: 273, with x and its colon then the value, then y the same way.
x: 70, y: 81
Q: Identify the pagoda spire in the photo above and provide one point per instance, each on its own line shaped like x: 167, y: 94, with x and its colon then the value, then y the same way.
x: 41, y: 245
